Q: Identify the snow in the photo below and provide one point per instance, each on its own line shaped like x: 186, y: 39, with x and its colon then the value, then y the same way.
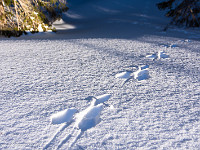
x: 143, y: 67
x: 174, y: 45
x: 101, y: 99
x: 63, y: 116
x: 162, y: 54
x: 43, y: 74
x: 89, y: 117
x: 152, y: 56
x: 123, y: 75
x: 141, y: 74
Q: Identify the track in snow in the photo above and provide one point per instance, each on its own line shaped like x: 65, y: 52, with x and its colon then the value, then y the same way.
x: 83, y: 121
x: 90, y: 117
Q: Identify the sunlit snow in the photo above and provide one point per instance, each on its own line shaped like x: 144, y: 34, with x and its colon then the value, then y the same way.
x: 123, y: 75
x: 89, y: 117
x: 100, y: 99
x: 109, y: 78
x: 63, y: 116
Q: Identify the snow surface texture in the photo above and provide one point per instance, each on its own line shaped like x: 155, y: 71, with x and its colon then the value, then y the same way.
x: 47, y: 73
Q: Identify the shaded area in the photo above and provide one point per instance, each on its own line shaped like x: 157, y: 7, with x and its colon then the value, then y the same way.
x: 113, y: 19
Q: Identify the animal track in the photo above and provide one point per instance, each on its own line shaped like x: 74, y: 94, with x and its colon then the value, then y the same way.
x: 63, y: 116
x: 152, y: 56
x: 90, y: 117
x: 123, y: 75
x: 163, y: 55
x: 83, y: 120
x: 141, y: 74
x: 159, y: 55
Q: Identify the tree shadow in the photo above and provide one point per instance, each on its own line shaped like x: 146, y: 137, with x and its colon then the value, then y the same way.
x: 119, y: 19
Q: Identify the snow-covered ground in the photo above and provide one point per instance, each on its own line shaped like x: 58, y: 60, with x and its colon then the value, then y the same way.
x: 150, y: 78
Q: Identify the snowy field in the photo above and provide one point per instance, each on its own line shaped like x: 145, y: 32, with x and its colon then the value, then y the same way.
x: 110, y: 78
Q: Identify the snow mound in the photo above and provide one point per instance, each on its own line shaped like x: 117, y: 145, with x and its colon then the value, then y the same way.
x: 101, y: 99
x: 162, y: 54
x: 141, y: 74
x: 152, y: 56
x: 63, y: 116
x: 123, y: 75
x: 89, y: 117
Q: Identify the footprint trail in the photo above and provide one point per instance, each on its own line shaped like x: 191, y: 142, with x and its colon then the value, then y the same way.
x: 84, y: 120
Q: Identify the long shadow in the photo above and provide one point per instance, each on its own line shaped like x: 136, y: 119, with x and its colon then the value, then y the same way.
x: 179, y: 69
x: 104, y: 19
x: 181, y: 44
x: 114, y: 19
x: 128, y: 19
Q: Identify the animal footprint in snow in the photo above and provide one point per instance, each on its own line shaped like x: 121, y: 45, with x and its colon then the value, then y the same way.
x: 89, y: 117
x: 173, y: 46
x: 187, y: 40
x: 152, y: 56
x: 123, y: 75
x: 169, y: 46
x: 143, y: 67
x: 100, y: 99
x: 162, y: 54
x: 63, y: 116
x: 66, y: 116
x: 141, y: 74
x: 84, y: 120
x: 159, y: 55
